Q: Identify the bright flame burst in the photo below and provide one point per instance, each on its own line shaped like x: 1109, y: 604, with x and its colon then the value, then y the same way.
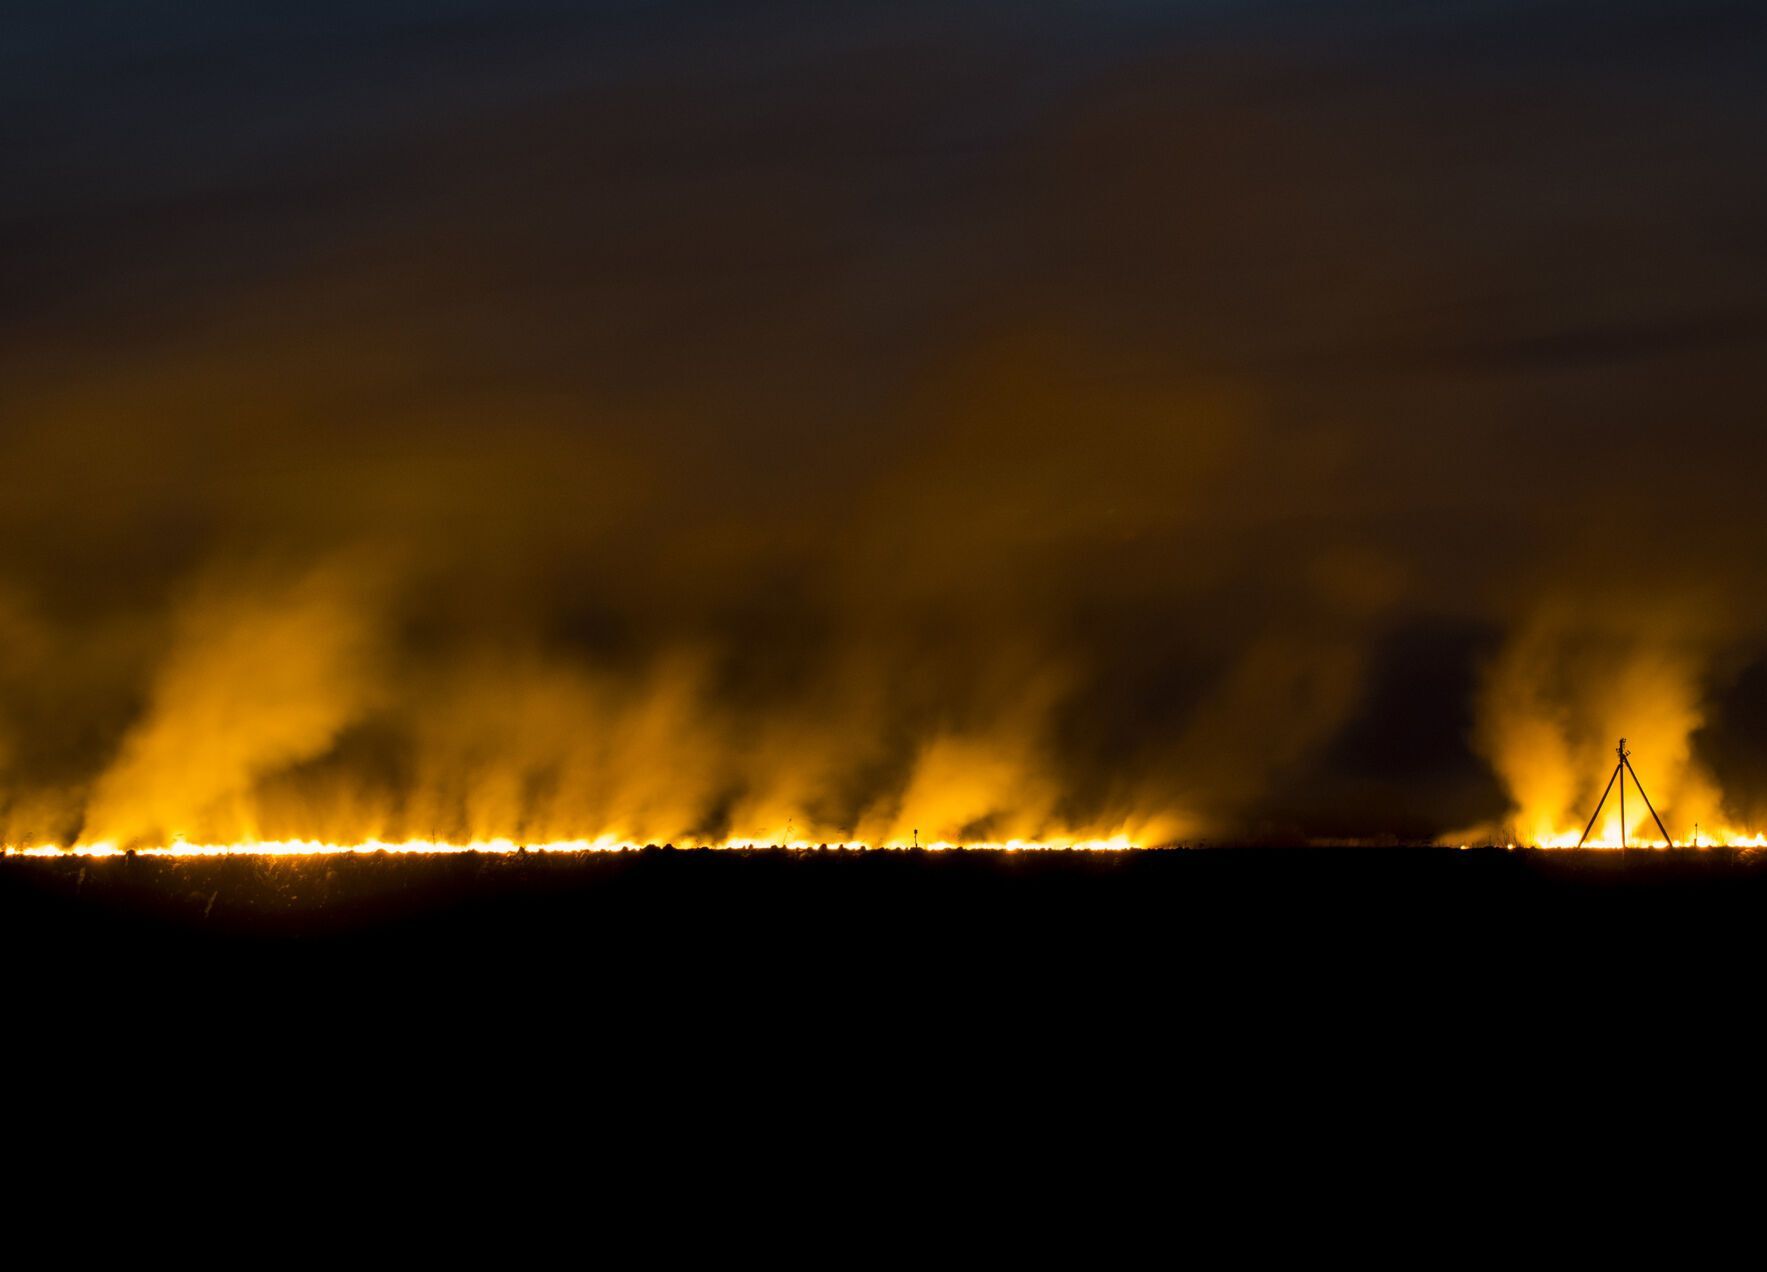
x: 1609, y: 837
x: 315, y: 847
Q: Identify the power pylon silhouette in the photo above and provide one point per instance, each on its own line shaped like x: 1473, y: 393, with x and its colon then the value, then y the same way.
x: 1624, y: 766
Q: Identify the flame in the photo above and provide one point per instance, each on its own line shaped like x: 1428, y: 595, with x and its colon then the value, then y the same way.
x: 1567, y: 684
x: 319, y: 848
x: 1606, y: 835
x: 277, y: 721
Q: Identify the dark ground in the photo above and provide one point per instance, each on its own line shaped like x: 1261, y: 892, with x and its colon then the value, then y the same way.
x: 1253, y: 966
x: 1239, y: 1012
x: 876, y: 907
x: 1170, y: 927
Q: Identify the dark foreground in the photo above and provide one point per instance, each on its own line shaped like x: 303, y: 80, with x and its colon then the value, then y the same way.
x: 1227, y: 986
x: 847, y: 951
x: 1181, y: 918
x: 875, y: 905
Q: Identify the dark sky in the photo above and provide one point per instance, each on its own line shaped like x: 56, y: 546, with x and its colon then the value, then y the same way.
x: 679, y: 420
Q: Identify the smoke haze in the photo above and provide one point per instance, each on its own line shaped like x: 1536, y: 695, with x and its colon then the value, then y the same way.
x: 685, y: 422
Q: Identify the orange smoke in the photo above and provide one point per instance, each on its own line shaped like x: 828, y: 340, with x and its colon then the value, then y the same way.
x: 1555, y: 701
x: 272, y: 686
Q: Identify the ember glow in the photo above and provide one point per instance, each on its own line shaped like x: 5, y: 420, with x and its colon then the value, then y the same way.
x: 318, y: 848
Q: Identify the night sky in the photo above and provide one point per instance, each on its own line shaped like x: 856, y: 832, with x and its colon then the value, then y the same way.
x: 683, y: 421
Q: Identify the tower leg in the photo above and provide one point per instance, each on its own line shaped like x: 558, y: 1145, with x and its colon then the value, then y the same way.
x: 1599, y: 806
x: 1653, y: 811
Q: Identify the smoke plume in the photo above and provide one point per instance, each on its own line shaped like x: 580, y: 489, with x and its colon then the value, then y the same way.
x: 1005, y: 422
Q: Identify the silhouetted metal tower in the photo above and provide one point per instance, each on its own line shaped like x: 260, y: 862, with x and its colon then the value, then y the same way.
x: 1624, y: 766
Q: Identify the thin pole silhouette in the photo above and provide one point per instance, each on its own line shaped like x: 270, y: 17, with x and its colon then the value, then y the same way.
x: 1601, y: 805
x: 1625, y: 766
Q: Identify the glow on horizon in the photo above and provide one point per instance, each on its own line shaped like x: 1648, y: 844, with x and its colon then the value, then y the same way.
x: 422, y: 847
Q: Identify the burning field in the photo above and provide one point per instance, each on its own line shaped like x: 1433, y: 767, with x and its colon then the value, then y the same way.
x: 295, y: 718
x: 444, y: 435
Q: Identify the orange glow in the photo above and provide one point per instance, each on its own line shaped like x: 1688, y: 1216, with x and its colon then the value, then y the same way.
x: 315, y: 847
x: 1564, y: 687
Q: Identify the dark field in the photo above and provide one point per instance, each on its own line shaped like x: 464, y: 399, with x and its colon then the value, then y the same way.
x: 1248, y: 965
x: 875, y: 908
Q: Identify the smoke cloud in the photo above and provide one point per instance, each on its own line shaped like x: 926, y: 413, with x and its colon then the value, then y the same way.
x: 1556, y: 699
x: 257, y: 679
x: 1029, y: 422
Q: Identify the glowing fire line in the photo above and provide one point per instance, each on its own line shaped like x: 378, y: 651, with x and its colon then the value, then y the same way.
x: 422, y: 847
